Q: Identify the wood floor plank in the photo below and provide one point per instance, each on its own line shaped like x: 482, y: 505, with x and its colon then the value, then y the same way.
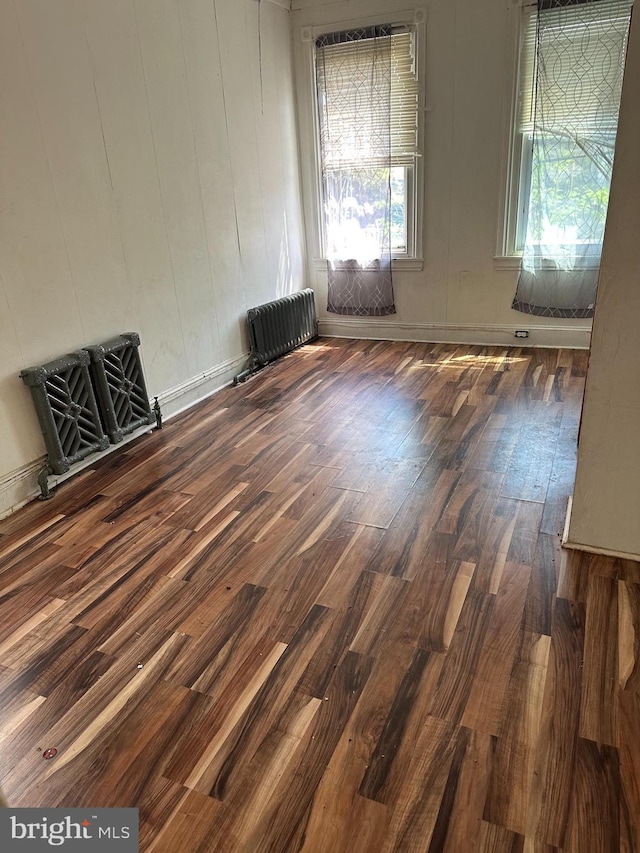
x: 193, y: 760
x: 459, y: 668
x: 495, y: 545
x: 345, y: 626
x: 17, y: 711
x: 12, y: 544
x: 218, y: 769
x: 327, y: 610
x: 560, y: 481
x: 524, y: 540
x: 94, y: 713
x: 340, y: 816
x: 401, y: 551
x: 385, y: 484
x: 505, y: 642
x: 599, y: 702
x: 541, y: 592
x: 628, y: 698
x: 487, y: 702
x: 156, y: 806
x: 460, y: 817
x: 527, y: 477
x: 573, y: 577
x: 299, y: 583
x: 375, y: 778
x: 200, y: 660
x: 494, y: 448
x: 497, y: 839
x: 17, y: 634
x: 363, y: 543
x: 185, y: 827
x: 120, y: 763
x: 513, y: 776
x: 389, y: 596
x: 559, y: 725
x: 416, y: 811
x: 286, y: 816
x: 43, y: 715
x: 629, y: 755
x: 594, y: 816
x: 508, y: 620
x: 628, y: 636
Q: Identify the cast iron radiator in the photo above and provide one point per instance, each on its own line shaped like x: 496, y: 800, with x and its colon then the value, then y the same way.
x: 278, y: 327
x: 119, y: 384
x: 67, y: 411
x: 88, y: 398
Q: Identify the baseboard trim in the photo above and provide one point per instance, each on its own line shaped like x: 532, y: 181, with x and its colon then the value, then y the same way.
x: 494, y: 334
x: 20, y: 487
x: 181, y: 397
x: 604, y: 552
x: 591, y: 549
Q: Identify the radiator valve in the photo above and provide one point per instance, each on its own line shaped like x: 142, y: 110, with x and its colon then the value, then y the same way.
x: 157, y: 412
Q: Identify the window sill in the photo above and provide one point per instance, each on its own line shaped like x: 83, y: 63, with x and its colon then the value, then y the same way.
x: 507, y: 262
x: 399, y: 264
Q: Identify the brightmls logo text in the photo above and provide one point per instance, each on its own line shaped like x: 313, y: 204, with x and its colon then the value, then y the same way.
x: 79, y: 830
x: 55, y: 833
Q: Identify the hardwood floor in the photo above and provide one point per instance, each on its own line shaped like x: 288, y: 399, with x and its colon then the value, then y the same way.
x: 328, y: 611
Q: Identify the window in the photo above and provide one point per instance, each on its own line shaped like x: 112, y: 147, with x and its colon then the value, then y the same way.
x: 369, y: 140
x: 559, y: 190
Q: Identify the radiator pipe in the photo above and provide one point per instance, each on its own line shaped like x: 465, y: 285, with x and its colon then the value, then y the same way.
x: 251, y: 368
x: 43, y: 482
x: 157, y: 411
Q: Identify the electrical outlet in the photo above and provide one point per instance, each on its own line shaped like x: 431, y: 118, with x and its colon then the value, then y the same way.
x: 521, y: 333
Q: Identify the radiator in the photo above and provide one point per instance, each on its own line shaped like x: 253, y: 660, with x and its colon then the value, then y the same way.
x: 87, y: 398
x: 278, y: 327
x: 67, y: 411
x: 119, y: 383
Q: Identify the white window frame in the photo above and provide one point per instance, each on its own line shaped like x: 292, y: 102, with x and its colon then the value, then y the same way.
x: 517, y: 154
x: 516, y: 157
x: 416, y: 21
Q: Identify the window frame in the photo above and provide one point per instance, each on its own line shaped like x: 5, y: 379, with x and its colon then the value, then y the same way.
x: 518, y: 147
x: 415, y: 20
x: 512, y: 216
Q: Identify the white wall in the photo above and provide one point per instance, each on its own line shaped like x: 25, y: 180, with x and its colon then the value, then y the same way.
x: 149, y: 181
x: 606, y: 505
x: 459, y: 295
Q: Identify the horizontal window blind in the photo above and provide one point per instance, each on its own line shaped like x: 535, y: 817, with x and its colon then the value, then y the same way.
x: 343, y: 73
x: 579, y: 87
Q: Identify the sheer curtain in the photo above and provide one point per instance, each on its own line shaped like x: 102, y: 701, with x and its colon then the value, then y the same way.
x: 353, y: 76
x: 570, y: 124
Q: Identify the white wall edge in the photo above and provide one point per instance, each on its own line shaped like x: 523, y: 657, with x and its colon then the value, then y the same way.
x: 571, y: 545
x: 565, y: 337
x: 20, y: 486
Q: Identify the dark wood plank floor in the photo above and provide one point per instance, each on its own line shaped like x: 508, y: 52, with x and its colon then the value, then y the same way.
x: 328, y: 611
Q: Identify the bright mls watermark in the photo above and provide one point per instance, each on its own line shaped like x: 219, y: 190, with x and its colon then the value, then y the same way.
x: 79, y: 830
